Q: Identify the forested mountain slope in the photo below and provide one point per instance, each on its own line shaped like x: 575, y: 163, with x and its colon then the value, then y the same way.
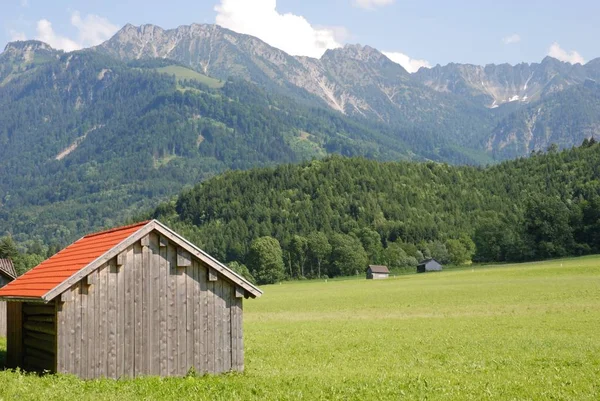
x: 86, y: 140
x: 561, y: 118
x: 545, y: 206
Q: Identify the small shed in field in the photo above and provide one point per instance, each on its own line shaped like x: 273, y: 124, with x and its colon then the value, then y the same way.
x: 7, y: 274
x: 376, y: 272
x: 131, y: 301
x: 429, y: 265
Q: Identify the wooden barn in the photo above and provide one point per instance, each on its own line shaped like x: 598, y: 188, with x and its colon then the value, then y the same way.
x: 7, y: 274
x: 429, y: 265
x: 377, y: 272
x: 131, y: 301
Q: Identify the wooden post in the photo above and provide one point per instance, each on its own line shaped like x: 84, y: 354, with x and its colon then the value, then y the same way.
x: 14, y: 340
x: 121, y: 258
x: 212, y: 275
x: 163, y: 241
x: 184, y: 258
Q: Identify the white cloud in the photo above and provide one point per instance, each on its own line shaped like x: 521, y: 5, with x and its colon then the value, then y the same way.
x: 288, y: 32
x: 371, y: 4
x: 510, y: 39
x: 559, y: 53
x: 91, y: 30
x: 15, y: 35
x: 46, y: 34
x: 24, y: 3
x: 410, y: 64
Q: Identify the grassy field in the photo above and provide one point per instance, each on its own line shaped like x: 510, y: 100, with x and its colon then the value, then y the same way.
x: 514, y: 332
x: 186, y: 73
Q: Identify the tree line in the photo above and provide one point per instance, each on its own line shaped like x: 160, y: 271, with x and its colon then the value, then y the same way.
x: 334, y: 216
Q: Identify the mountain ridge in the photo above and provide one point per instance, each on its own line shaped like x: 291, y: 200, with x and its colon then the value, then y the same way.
x: 355, y: 80
x: 456, y: 104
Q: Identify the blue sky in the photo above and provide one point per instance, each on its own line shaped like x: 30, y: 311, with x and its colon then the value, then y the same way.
x: 411, y: 32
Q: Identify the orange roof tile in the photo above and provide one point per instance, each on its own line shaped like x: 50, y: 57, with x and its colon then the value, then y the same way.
x: 56, y: 269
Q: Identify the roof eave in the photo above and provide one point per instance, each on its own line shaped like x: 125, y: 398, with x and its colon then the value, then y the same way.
x: 9, y: 298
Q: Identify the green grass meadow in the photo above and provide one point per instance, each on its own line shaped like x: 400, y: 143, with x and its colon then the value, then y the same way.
x: 510, y: 332
x: 186, y: 73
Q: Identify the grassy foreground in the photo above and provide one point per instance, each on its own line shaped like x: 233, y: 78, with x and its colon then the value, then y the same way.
x: 514, y: 332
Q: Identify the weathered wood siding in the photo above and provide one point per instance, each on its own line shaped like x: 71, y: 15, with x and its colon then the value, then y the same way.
x: 2, y: 319
x: 142, y: 314
x: 3, y: 282
x: 39, y: 336
x: 14, y: 335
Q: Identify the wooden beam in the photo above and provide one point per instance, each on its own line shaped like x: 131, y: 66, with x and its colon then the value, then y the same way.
x: 45, y: 346
x: 184, y: 259
x: 163, y: 241
x: 239, y: 292
x: 40, y: 327
x: 145, y: 240
x: 121, y: 258
x: 212, y: 275
x: 90, y: 279
x: 38, y: 309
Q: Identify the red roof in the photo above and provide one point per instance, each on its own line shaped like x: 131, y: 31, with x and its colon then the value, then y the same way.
x: 56, y: 269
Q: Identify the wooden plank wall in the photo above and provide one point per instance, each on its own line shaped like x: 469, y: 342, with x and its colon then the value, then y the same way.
x: 3, y: 282
x: 39, y: 336
x: 150, y: 317
x: 14, y: 336
x: 2, y: 319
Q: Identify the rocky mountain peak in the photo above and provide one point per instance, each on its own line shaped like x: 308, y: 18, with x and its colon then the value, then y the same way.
x: 594, y: 62
x: 23, y: 46
x: 355, y: 52
x: 26, y: 52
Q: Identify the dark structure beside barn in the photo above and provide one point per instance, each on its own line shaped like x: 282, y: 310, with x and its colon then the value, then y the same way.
x: 377, y: 272
x: 7, y: 274
x: 132, y: 301
x: 429, y: 265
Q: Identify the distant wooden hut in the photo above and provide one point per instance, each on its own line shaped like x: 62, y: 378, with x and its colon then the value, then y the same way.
x: 131, y: 301
x: 429, y: 265
x: 7, y: 274
x: 377, y: 272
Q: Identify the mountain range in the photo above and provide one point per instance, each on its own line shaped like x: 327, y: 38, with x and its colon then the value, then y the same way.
x: 91, y: 137
x: 458, y: 100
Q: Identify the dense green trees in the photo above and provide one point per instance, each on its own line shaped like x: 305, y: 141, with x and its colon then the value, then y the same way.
x: 265, y: 260
x: 348, y: 256
x: 242, y: 270
x: 23, y: 259
x: 334, y: 216
x: 318, y: 249
x: 547, y: 227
